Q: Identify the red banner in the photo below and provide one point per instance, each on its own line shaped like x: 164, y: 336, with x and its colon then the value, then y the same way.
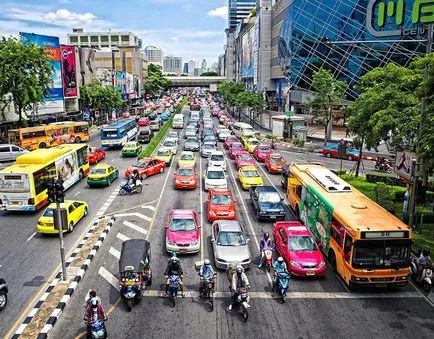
x: 69, y: 71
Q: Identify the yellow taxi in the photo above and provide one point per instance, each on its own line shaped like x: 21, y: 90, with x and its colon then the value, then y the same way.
x: 164, y: 154
x: 249, y: 176
x: 187, y: 158
x: 245, y: 136
x: 250, y: 144
x: 102, y: 174
x: 132, y: 149
x: 74, y: 211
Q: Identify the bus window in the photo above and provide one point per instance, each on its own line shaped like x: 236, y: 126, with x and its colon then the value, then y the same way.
x: 82, y: 156
x: 41, y: 177
x: 298, y: 190
x: 83, y: 128
x: 337, y: 233
x: 348, y: 246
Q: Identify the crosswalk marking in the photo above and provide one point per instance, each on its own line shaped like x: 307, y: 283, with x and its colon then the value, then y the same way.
x: 152, y: 208
x: 111, y: 279
x: 122, y: 237
x: 115, y: 252
x: 135, y: 227
x: 139, y: 215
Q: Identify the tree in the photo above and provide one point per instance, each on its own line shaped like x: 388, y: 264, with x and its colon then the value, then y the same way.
x: 229, y: 91
x: 100, y: 98
x: 209, y: 74
x: 329, y: 93
x: 156, y: 82
x: 25, y: 74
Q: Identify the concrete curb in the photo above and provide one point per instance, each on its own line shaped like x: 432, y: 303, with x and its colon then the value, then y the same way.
x: 55, y: 315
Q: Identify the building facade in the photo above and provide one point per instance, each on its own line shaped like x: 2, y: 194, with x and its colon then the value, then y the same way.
x: 185, y: 68
x: 153, y: 54
x: 99, y: 40
x: 172, y: 64
x: 192, y: 68
x: 238, y: 10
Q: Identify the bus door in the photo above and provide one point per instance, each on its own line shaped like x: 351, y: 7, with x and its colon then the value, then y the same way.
x: 294, y: 193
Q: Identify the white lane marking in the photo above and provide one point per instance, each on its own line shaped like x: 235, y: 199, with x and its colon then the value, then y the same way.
x: 201, y: 211
x: 30, y: 238
x: 245, y: 211
x: 111, y: 279
x: 135, y: 227
x: 122, y: 237
x: 152, y: 208
x: 114, y: 252
x: 139, y: 215
x: 77, y: 193
x: 113, y: 160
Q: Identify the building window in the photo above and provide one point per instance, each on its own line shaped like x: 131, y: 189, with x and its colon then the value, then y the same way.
x: 73, y: 39
x: 125, y: 38
x: 104, y: 38
x: 114, y: 38
x: 84, y: 39
x: 94, y: 38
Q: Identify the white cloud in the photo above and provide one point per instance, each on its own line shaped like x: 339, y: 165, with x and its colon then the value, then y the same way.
x: 64, y: 1
x: 174, y: 38
x: 62, y: 15
x: 221, y: 12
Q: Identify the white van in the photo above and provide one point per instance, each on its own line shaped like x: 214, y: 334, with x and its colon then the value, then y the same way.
x: 240, y: 128
x: 178, y: 121
x: 10, y: 152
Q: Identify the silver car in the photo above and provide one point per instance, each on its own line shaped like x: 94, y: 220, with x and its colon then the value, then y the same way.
x: 229, y: 244
x: 207, y: 148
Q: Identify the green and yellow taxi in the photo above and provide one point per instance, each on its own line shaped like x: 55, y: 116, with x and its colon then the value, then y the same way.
x: 249, y: 176
x: 164, y: 154
x: 75, y: 210
x: 187, y: 158
x: 102, y: 174
x: 131, y: 149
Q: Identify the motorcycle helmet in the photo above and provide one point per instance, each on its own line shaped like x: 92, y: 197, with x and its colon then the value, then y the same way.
x: 280, y: 260
x: 266, y: 236
x: 94, y: 302
x: 206, y: 262
x: 239, y: 269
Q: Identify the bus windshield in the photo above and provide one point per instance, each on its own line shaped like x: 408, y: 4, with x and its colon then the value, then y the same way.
x: 382, y: 253
x: 110, y: 133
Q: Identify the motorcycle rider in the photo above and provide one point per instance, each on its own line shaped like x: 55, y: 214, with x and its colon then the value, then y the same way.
x: 95, y: 308
x: 266, y: 242
x: 422, y: 262
x: 174, y: 268
x: 206, y: 272
x: 133, y: 179
x: 239, y: 280
x: 279, y: 266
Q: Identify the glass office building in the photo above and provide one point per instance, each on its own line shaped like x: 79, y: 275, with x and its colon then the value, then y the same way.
x: 239, y: 10
x: 341, y: 35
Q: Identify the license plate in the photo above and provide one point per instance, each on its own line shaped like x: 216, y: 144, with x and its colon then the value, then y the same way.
x: 310, y: 273
x: 273, y: 217
x: 380, y: 285
x: 14, y: 203
x: 182, y: 250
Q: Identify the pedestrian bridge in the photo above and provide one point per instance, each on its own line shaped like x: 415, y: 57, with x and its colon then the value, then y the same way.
x: 188, y: 81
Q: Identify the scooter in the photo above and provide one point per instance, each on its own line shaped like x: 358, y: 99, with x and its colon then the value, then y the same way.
x: 97, y: 329
x: 282, y: 284
x: 267, y: 258
x: 243, y: 302
x: 173, y: 288
x: 126, y: 188
x: 386, y: 166
x: 426, y: 278
x: 3, y: 294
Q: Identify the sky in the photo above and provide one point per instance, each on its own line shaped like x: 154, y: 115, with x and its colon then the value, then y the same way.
x: 191, y: 29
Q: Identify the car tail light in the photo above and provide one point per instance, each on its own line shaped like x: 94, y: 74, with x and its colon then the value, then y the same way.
x: 31, y: 201
x: 39, y: 223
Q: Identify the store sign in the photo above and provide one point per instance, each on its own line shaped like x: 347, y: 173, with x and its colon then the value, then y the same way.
x: 385, y: 12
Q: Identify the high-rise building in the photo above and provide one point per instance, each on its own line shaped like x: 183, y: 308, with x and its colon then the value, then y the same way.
x: 154, y: 54
x: 172, y: 64
x: 99, y: 40
x: 185, y: 69
x: 238, y: 10
x: 191, y: 67
x: 203, y: 66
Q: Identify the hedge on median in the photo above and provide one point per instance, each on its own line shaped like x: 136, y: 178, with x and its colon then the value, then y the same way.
x: 147, y: 152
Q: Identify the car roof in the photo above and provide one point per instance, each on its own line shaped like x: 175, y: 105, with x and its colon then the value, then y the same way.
x: 217, y: 152
x: 182, y: 213
x: 264, y: 189
x: 215, y: 168
x: 248, y: 168
x: 275, y: 155
x: 229, y: 225
x: 102, y: 165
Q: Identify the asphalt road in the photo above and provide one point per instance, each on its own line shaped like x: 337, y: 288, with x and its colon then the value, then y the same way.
x: 316, y: 308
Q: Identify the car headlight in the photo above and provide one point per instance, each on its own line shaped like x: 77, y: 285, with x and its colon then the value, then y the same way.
x: 212, y: 212
x: 169, y: 242
x: 231, y: 213
x: 296, y: 264
x: 194, y: 242
x: 178, y: 182
x: 322, y: 263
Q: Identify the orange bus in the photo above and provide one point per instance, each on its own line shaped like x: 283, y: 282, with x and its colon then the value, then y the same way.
x: 365, y: 244
x: 54, y: 134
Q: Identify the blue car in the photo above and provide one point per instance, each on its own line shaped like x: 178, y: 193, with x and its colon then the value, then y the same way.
x: 331, y: 151
x: 164, y: 117
x: 267, y: 203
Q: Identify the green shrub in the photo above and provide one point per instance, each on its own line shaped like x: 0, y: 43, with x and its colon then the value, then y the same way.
x: 384, y: 196
x: 388, y: 179
x: 298, y: 143
x: 430, y: 196
x: 269, y: 136
x: 339, y: 172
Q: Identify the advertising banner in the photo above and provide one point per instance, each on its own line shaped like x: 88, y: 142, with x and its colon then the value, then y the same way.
x: 69, y: 71
x: 67, y: 170
x: 404, y: 163
x: 53, y: 102
x: 256, y: 51
x: 247, y: 59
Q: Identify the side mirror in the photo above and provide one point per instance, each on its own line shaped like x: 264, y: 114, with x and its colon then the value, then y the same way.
x: 199, y: 226
x: 235, y: 201
x: 281, y: 198
x: 212, y: 240
x: 247, y: 240
x: 166, y: 227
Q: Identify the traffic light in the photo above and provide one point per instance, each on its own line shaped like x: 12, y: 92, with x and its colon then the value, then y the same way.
x: 51, y: 192
x: 60, y: 195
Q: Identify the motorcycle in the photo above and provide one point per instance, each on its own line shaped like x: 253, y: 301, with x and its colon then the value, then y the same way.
x: 243, y: 302
x: 97, y: 330
x: 426, y: 278
x: 127, y: 189
x: 273, y: 143
x: 267, y: 258
x: 385, y: 166
x: 173, y: 288
x: 282, y: 284
x: 208, y: 290
x: 3, y: 294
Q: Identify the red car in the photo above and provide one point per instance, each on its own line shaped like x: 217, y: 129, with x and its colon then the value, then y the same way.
x: 261, y: 152
x: 146, y: 167
x: 143, y: 121
x: 95, y: 154
x: 243, y: 159
x: 221, y: 205
x: 126, y: 115
x: 185, y: 177
x: 183, y: 231
x: 274, y: 162
x: 235, y: 148
x: 296, y: 246
x: 229, y: 140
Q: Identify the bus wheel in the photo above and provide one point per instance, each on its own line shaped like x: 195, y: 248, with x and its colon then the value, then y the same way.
x: 42, y: 145
x: 332, y: 260
x: 77, y: 140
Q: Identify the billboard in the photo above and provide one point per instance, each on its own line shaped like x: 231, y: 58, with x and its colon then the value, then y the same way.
x: 256, y: 51
x: 404, y: 163
x: 53, y: 102
x: 247, y: 59
x: 67, y: 169
x: 69, y: 71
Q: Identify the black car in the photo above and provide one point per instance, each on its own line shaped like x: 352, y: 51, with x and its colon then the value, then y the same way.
x: 145, y: 136
x: 284, y: 175
x: 3, y: 294
x: 153, y: 116
x: 267, y: 203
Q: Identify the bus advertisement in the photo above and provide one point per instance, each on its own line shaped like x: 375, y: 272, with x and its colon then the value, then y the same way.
x: 23, y: 186
x: 365, y: 244
x: 118, y: 133
x: 51, y: 135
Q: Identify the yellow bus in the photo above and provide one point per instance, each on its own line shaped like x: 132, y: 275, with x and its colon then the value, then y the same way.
x: 365, y: 244
x: 54, y: 134
x: 23, y: 186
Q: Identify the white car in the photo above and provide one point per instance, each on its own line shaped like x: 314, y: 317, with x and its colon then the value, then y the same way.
x: 173, y: 135
x: 215, y: 177
x: 207, y: 148
x: 217, y: 159
x: 171, y: 144
x: 223, y: 134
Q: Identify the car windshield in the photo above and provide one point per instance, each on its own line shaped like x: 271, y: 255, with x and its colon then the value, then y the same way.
x: 237, y: 146
x: 173, y: 135
x: 163, y: 153
x: 250, y: 173
x: 169, y: 143
x: 221, y: 200
x: 129, y: 145
x: 231, y: 239
x: 269, y: 197
x: 231, y: 138
x: 244, y: 157
x: 48, y: 212
x: 98, y: 171
x: 209, y: 137
x: 215, y: 175
x: 187, y: 156
x: 182, y: 225
x: 253, y: 142
x: 208, y: 146
x: 264, y: 149
x: 382, y: 253
x: 217, y: 157
x: 277, y: 159
x: 192, y: 139
x: 141, y: 164
x: 249, y: 131
x: 301, y: 243
x: 185, y: 172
